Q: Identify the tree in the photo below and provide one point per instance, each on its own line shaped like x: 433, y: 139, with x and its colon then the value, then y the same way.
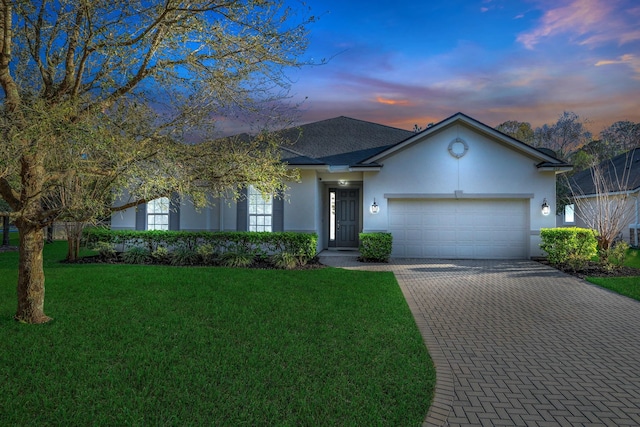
x: 565, y: 136
x: 601, y: 195
x: 99, y: 97
x: 621, y: 136
x: 521, y: 131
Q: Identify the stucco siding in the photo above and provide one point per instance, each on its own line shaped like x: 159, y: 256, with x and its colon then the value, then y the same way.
x: 124, y: 220
x: 301, y: 203
x: 487, y: 169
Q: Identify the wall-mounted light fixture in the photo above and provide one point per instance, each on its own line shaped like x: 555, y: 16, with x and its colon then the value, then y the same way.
x: 546, y: 209
x: 342, y: 182
x: 374, y: 208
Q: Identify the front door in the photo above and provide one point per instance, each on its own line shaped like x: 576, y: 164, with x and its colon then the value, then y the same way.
x: 346, y: 218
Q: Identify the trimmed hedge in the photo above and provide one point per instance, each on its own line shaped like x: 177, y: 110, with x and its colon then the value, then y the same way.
x: 259, y: 245
x: 375, y: 247
x: 571, y: 246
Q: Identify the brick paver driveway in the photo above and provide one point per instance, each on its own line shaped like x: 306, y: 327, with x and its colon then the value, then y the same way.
x: 518, y: 343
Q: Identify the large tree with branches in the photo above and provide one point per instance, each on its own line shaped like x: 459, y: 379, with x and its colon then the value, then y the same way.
x: 99, y: 97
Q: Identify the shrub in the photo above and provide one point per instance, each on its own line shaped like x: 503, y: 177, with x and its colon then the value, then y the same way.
x: 106, y: 250
x: 237, y: 258
x: 137, y: 255
x: 161, y: 255
x: 285, y: 260
x: 614, y: 256
x: 207, y: 253
x: 375, y: 247
x: 184, y: 256
x: 302, y: 245
x: 571, y: 246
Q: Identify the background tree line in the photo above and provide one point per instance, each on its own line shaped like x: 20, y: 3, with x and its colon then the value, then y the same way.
x: 570, y: 139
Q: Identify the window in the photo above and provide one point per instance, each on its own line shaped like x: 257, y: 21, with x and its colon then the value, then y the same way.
x: 332, y: 215
x: 260, y: 211
x: 158, y: 214
x: 569, y: 214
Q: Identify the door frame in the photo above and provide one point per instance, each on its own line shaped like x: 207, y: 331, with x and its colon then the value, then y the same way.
x: 329, y: 188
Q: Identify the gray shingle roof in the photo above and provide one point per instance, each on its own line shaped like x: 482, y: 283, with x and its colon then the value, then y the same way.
x: 622, y: 172
x: 339, y: 141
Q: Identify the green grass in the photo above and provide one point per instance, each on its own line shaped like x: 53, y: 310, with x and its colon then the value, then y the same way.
x: 628, y: 286
x: 150, y: 345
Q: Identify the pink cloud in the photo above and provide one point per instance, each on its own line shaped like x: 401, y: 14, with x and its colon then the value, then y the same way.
x: 590, y: 22
x: 627, y: 59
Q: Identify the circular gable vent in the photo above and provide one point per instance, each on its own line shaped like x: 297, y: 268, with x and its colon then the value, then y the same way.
x: 458, y: 148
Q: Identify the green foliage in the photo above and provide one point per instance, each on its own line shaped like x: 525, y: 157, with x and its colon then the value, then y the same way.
x: 161, y: 255
x: 521, y: 131
x: 208, y: 254
x: 237, y: 258
x: 285, y: 260
x: 137, y: 255
x: 106, y: 250
x: 375, y: 247
x: 184, y: 256
x: 155, y: 345
x: 208, y: 245
x: 571, y: 246
x: 614, y: 256
x: 632, y: 258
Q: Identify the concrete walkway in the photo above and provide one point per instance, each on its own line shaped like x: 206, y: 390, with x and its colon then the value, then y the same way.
x: 517, y: 343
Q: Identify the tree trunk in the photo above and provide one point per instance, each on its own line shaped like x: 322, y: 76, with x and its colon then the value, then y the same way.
x: 5, y: 230
x: 31, y: 231
x: 31, y: 275
x: 74, y: 238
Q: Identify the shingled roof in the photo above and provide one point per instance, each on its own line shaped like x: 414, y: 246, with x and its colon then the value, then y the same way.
x: 622, y: 172
x: 339, y: 141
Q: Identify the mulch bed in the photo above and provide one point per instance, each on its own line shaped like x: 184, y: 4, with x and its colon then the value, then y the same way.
x: 593, y: 269
x: 259, y: 264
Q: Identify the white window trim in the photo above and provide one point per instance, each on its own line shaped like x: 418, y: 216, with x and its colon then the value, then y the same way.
x: 158, y: 208
x: 260, y: 210
x: 570, y: 214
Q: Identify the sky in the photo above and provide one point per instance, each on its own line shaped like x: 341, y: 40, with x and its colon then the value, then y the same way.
x: 402, y: 63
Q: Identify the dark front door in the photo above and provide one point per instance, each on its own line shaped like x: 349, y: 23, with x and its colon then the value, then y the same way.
x: 347, y: 226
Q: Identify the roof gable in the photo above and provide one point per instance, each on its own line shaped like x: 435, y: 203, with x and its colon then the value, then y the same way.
x: 545, y: 159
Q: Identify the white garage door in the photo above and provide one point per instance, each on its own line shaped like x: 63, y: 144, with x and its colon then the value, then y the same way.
x: 460, y: 228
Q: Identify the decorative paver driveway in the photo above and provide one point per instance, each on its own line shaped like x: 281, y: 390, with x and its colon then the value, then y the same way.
x: 518, y: 343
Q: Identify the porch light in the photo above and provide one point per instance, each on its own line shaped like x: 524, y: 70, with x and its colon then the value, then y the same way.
x: 546, y: 209
x: 375, y: 208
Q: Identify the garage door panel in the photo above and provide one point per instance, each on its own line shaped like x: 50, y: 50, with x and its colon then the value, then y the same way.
x: 459, y: 228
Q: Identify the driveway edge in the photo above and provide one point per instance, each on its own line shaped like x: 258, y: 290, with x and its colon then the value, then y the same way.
x: 444, y: 389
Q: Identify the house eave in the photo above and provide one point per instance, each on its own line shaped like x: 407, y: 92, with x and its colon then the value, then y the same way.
x: 611, y: 193
x: 478, y: 127
x: 309, y: 167
x: 365, y: 168
x: 556, y: 169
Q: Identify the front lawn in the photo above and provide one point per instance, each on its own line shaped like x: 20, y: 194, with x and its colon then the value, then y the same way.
x: 155, y: 345
x: 628, y: 286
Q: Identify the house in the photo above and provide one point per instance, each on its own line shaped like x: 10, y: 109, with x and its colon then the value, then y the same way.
x: 458, y: 189
x: 608, y: 191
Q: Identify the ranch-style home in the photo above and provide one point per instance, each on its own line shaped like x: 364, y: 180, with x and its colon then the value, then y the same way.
x: 458, y: 189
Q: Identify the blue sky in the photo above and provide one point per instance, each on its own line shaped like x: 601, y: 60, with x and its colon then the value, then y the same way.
x: 414, y: 62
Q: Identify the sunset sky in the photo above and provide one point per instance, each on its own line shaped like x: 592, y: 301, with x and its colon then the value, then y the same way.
x: 402, y: 63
